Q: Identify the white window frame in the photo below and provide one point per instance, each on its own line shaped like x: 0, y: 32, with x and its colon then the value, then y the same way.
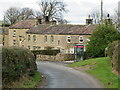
x: 81, y: 39
x: 68, y: 37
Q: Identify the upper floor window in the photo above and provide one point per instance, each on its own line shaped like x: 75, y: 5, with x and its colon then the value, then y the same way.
x: 14, y: 42
x: 52, y: 39
x: 14, y: 33
x: 28, y: 37
x: 69, y: 39
x: 45, y: 39
x: 34, y: 38
x: 81, y: 39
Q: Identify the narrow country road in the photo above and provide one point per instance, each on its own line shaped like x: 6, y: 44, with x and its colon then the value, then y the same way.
x: 59, y: 76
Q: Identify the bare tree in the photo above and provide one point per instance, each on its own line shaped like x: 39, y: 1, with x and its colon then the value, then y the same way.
x: 115, y: 16
x: 52, y: 8
x: 95, y: 14
x: 26, y: 13
x: 15, y: 14
x: 62, y: 21
x: 12, y: 15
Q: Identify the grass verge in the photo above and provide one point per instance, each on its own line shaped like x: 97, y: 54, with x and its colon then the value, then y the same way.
x: 28, y: 82
x: 101, y: 69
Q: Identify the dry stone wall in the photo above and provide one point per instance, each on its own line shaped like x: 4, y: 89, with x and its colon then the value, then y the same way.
x: 58, y: 57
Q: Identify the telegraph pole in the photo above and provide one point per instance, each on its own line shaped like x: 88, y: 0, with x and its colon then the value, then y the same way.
x: 101, y: 11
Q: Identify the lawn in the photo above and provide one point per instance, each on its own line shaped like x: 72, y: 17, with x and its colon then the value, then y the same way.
x: 28, y: 82
x: 101, y: 69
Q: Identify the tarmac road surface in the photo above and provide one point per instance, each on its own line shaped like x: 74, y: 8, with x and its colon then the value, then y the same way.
x: 60, y: 76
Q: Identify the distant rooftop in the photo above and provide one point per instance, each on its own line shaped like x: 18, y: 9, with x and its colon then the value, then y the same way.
x: 24, y: 24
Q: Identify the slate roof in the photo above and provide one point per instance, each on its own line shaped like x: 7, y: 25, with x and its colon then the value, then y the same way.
x: 40, y: 29
x: 24, y: 24
x: 62, y: 29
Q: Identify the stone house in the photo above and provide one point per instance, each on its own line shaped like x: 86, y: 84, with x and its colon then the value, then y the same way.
x: 17, y: 32
x: 34, y: 35
x: 62, y: 37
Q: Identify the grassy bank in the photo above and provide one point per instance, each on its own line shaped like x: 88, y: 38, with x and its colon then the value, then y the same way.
x: 99, y: 68
x: 28, y: 82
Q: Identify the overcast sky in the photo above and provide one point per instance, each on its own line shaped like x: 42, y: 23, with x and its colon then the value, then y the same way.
x: 78, y: 9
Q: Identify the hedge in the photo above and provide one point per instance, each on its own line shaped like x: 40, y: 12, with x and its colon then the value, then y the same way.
x: 114, y: 53
x: 16, y: 62
x: 45, y: 52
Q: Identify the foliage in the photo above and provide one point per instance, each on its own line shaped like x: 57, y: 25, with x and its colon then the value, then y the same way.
x: 99, y: 68
x: 114, y: 53
x: 16, y: 62
x: 13, y: 15
x: 27, y: 81
x: 102, y: 36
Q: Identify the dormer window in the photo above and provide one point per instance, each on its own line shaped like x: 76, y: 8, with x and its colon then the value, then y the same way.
x: 69, y: 39
x: 81, y: 39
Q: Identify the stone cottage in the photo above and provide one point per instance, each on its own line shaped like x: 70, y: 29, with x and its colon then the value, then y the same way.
x: 62, y: 37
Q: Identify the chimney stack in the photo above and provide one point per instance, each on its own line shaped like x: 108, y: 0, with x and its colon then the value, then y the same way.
x: 47, y: 19
x: 108, y: 20
x: 39, y: 20
x: 89, y: 20
x: 53, y: 21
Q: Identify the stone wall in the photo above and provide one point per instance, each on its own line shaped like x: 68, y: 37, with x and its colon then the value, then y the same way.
x: 58, y: 57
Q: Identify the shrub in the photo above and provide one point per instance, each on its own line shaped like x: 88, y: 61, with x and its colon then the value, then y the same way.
x: 101, y: 37
x: 15, y: 63
x: 113, y: 52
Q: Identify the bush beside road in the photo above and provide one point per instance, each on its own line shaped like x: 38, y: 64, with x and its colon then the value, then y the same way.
x: 17, y: 63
